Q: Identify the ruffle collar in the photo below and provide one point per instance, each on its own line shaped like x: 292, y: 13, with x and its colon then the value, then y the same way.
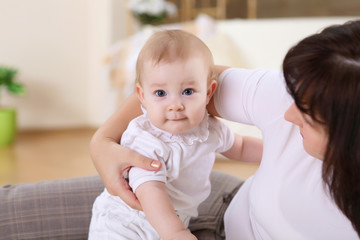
x: 198, y: 134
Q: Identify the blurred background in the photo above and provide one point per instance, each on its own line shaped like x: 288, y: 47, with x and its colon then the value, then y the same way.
x: 61, y: 51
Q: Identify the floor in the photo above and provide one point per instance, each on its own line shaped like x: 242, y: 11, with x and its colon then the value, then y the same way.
x: 48, y: 155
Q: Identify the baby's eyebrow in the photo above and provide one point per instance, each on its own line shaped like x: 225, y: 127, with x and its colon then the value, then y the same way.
x: 157, y: 85
x: 191, y: 82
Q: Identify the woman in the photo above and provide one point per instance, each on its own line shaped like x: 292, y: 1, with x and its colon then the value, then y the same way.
x: 308, y: 183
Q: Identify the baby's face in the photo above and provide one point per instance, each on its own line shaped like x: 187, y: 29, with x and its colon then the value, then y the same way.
x: 175, y: 94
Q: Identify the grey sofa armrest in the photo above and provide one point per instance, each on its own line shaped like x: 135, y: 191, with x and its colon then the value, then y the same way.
x: 59, y: 209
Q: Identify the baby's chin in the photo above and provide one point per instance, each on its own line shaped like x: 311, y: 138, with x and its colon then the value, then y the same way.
x: 177, y: 129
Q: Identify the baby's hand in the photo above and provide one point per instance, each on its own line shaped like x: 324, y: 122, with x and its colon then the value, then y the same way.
x: 183, y: 235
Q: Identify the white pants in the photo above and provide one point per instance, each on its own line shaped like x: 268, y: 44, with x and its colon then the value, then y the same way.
x: 114, y: 219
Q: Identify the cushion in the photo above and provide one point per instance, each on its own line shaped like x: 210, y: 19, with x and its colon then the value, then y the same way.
x: 59, y: 209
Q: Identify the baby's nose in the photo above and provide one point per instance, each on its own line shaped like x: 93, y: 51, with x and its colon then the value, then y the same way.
x: 176, y: 107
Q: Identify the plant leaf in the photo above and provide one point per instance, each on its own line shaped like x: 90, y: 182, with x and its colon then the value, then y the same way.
x: 7, y: 75
x: 16, y: 88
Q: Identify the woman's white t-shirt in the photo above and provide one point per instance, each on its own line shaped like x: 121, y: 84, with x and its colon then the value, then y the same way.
x: 286, y: 198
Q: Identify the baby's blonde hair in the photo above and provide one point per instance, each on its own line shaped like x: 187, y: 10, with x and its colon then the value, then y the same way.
x: 171, y: 45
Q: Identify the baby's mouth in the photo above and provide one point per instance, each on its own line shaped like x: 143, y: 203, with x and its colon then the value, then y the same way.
x: 176, y: 119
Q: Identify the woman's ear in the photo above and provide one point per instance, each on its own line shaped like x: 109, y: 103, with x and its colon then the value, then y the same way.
x: 211, y: 90
x: 140, y: 93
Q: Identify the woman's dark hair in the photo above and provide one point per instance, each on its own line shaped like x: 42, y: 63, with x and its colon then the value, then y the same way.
x: 322, y: 73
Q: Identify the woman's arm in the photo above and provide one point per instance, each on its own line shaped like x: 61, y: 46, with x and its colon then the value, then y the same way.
x: 245, y: 148
x: 111, y: 159
x: 160, y: 212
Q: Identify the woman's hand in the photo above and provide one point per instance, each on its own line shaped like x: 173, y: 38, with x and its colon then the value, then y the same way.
x: 112, y: 160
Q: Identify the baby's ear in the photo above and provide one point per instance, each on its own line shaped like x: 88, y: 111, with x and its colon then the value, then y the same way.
x: 140, y: 93
x: 211, y: 90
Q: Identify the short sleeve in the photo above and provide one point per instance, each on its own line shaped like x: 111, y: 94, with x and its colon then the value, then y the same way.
x: 147, y: 145
x: 257, y: 97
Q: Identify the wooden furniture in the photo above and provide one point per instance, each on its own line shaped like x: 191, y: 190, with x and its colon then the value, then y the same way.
x: 189, y: 9
x: 251, y: 9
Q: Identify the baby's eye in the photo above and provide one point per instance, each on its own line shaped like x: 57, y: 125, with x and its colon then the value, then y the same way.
x: 160, y: 93
x: 188, y: 91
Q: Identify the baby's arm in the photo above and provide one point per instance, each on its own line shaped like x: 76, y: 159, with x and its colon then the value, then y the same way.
x: 160, y: 212
x: 248, y: 149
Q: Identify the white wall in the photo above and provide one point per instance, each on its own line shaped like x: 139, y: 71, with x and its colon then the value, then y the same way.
x: 58, y: 47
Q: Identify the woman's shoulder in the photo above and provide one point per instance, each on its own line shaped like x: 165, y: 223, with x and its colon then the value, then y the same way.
x: 251, y: 96
x: 252, y: 79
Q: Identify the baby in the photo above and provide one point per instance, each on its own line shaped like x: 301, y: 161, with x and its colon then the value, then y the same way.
x: 175, y: 81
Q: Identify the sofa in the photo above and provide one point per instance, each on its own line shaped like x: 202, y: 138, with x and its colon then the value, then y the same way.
x: 61, y: 209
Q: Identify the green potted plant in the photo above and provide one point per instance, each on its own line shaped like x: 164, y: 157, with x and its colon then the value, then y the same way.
x: 152, y: 12
x: 8, y: 126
